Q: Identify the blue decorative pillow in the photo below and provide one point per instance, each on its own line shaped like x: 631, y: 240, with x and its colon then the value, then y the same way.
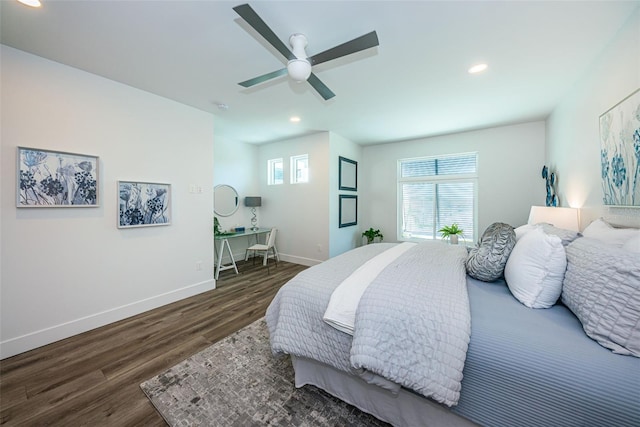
x: 487, y: 260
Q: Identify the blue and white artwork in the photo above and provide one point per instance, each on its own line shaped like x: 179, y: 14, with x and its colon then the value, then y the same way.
x: 620, y: 152
x: 143, y: 204
x: 56, y: 179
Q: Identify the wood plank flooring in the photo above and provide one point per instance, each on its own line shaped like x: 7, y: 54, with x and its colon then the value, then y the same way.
x: 93, y: 378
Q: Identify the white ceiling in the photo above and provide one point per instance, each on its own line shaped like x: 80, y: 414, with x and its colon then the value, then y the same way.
x: 414, y: 84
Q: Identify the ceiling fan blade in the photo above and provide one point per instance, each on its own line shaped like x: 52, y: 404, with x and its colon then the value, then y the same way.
x: 320, y: 87
x: 263, y: 78
x: 251, y: 17
x: 356, y: 45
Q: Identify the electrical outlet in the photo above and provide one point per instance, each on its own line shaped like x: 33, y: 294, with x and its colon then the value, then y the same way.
x: 198, y: 265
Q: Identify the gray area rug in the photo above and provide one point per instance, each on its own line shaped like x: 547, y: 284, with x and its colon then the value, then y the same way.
x: 238, y: 382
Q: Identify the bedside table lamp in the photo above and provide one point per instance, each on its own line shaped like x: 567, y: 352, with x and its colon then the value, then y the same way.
x: 253, y: 203
x: 566, y: 218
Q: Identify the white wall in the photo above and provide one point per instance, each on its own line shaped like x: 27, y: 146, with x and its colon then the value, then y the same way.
x: 573, y: 141
x: 299, y: 211
x: 236, y: 164
x: 66, y: 270
x: 342, y: 239
x: 510, y: 159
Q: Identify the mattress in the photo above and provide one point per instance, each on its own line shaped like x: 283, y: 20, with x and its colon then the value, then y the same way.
x: 537, y: 367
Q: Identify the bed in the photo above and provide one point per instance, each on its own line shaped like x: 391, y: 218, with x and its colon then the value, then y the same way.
x: 522, y: 366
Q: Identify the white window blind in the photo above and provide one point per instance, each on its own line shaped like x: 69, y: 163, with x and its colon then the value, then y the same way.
x: 435, y: 192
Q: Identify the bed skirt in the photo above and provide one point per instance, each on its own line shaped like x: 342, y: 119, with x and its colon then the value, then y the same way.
x: 404, y: 409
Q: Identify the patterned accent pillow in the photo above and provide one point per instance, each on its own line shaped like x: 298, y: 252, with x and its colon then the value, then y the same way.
x: 487, y: 260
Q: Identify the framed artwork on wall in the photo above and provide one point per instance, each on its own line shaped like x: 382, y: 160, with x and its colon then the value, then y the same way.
x: 348, y: 210
x: 143, y: 204
x: 56, y: 179
x: 620, y: 152
x: 347, y: 174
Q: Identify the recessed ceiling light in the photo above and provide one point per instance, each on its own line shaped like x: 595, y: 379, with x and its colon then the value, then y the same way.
x: 294, y: 119
x: 478, y: 68
x: 31, y: 3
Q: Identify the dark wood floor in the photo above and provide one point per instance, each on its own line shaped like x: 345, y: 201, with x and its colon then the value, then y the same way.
x: 93, y: 378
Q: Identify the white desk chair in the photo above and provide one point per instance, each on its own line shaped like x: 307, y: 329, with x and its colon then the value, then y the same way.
x: 270, y: 246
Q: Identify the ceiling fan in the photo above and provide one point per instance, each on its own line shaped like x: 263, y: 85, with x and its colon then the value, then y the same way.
x: 299, y: 65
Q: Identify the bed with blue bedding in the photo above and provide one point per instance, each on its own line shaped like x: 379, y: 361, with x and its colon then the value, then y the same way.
x: 529, y: 367
x: 523, y: 366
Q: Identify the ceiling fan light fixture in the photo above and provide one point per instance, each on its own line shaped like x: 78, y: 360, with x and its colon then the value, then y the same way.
x: 299, y: 69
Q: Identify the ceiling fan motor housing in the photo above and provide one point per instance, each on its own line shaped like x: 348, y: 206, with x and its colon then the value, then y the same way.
x: 299, y: 65
x: 299, y: 69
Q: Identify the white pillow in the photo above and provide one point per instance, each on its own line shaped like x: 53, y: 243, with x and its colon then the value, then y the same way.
x: 535, y: 270
x: 604, y: 232
x: 524, y: 229
x: 633, y: 244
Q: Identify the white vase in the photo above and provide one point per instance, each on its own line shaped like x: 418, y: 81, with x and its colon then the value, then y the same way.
x: 453, y: 239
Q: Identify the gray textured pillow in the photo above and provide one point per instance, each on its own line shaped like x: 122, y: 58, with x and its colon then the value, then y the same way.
x: 486, y: 261
x: 602, y: 288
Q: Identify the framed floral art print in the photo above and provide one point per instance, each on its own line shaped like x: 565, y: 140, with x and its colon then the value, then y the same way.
x: 620, y: 152
x: 143, y: 204
x: 56, y: 179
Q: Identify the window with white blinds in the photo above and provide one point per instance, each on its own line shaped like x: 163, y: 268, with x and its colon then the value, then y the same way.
x: 435, y: 192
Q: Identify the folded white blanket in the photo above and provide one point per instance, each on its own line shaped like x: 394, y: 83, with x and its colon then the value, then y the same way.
x: 341, y: 310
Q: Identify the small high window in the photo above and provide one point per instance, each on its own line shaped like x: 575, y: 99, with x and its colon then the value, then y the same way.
x: 300, y: 169
x: 275, y: 172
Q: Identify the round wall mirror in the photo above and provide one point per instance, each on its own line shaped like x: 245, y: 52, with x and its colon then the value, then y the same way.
x: 225, y: 200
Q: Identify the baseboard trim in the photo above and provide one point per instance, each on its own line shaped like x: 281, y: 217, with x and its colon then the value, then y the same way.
x: 30, y: 341
x: 284, y: 257
x: 299, y: 260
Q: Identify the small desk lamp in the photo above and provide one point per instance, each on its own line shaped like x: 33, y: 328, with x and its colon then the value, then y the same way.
x: 253, y: 203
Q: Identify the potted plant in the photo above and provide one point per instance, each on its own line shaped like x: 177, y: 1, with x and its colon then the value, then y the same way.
x: 216, y: 226
x: 451, y: 232
x: 371, y: 234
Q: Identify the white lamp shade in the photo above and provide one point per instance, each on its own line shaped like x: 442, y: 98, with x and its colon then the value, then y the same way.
x: 567, y: 218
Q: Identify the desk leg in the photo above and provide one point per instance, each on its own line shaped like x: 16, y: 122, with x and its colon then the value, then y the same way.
x: 225, y: 245
x: 233, y: 261
x: 220, y: 253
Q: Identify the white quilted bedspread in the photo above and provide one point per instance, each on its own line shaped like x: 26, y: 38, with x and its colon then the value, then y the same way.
x: 412, y: 325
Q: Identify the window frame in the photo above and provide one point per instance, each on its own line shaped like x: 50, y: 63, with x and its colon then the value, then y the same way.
x: 271, y: 179
x: 472, y: 178
x: 293, y: 175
